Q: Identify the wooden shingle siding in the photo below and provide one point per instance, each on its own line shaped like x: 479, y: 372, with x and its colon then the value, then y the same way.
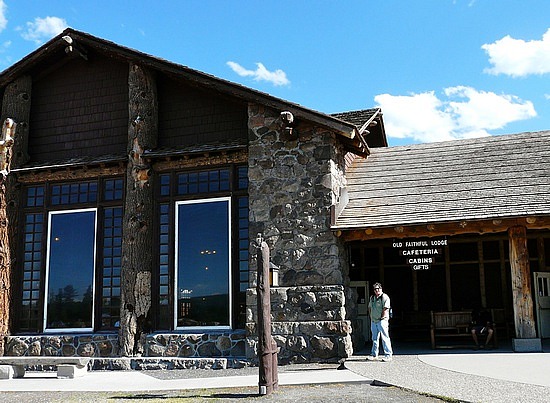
x: 189, y: 116
x: 80, y: 109
x: 492, y: 177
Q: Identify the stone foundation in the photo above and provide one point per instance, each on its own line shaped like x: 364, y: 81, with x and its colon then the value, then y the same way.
x: 196, y: 345
x: 86, y: 345
x: 532, y: 345
x: 308, y: 324
x: 162, y: 351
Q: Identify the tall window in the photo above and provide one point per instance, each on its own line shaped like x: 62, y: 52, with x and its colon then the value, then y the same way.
x: 72, y: 240
x: 70, y: 270
x: 203, y: 248
x: 203, y: 264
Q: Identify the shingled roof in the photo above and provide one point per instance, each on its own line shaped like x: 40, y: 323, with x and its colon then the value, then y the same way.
x: 359, y: 118
x: 370, y: 124
x: 54, y: 54
x: 484, y: 178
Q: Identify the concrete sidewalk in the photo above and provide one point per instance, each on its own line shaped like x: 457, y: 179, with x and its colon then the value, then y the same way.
x: 482, y: 376
x: 490, y: 376
x: 114, y: 381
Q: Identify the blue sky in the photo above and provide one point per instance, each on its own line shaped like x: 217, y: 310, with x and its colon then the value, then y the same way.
x: 439, y: 69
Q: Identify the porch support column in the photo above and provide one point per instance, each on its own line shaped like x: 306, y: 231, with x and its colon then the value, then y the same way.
x: 16, y: 104
x: 138, y: 229
x: 526, y: 336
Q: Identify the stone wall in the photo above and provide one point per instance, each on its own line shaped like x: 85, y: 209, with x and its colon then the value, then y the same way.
x: 308, y: 324
x: 295, y: 177
x: 212, y: 344
x: 294, y: 180
x: 91, y: 345
x: 196, y: 345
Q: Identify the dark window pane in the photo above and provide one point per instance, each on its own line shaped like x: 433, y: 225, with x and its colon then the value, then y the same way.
x: 111, y: 267
x: 203, y: 264
x: 242, y: 177
x: 165, y: 185
x: 69, y: 296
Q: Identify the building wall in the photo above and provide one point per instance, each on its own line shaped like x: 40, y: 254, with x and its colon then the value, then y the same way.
x: 80, y: 109
x: 189, y: 116
x: 294, y: 180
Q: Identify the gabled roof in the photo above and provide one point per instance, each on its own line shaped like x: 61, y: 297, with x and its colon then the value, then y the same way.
x: 370, y: 125
x: 485, y: 178
x: 88, y: 44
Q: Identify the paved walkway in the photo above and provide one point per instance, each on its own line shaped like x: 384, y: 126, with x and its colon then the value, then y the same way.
x: 481, y: 376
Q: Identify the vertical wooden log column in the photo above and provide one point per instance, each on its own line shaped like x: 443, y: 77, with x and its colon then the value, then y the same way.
x: 267, y: 348
x: 137, y: 255
x: 521, y: 292
x: 16, y: 104
x: 6, y: 142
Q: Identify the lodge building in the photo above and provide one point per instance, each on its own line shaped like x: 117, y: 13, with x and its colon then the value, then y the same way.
x: 136, y: 189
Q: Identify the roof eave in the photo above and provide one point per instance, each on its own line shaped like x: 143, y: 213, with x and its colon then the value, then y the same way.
x: 203, y: 79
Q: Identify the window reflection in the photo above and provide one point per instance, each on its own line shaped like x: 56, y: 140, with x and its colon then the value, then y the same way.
x: 203, y: 264
x: 70, y: 270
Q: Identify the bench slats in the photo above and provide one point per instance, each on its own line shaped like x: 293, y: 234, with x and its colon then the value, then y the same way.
x: 452, y: 325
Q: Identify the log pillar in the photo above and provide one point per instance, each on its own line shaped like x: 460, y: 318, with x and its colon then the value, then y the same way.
x: 267, y: 347
x: 16, y: 105
x: 138, y: 229
x: 524, y: 319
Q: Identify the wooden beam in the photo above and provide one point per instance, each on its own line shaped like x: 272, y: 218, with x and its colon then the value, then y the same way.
x: 524, y: 319
x: 448, y: 283
x: 138, y: 229
x: 443, y: 229
x: 194, y: 161
x: 16, y: 105
x: 77, y: 173
x: 482, y: 288
x: 6, y: 267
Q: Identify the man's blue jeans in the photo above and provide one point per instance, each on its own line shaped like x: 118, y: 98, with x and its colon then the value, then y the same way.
x: 380, y: 330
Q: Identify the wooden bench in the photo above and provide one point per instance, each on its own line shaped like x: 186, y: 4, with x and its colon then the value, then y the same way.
x: 411, y: 325
x: 67, y: 367
x: 453, y: 326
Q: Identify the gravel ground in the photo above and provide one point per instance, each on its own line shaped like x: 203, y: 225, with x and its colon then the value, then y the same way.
x: 349, y: 392
x: 337, y: 392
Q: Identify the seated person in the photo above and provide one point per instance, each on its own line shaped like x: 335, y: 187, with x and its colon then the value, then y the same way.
x: 482, y: 324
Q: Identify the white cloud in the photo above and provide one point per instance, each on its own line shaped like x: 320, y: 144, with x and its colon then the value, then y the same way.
x: 3, y: 19
x: 519, y: 58
x: 464, y: 113
x: 417, y: 116
x: 43, y: 29
x: 277, y: 77
x: 4, y: 46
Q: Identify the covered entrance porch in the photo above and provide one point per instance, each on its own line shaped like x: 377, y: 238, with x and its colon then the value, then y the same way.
x: 453, y: 226
x: 445, y: 273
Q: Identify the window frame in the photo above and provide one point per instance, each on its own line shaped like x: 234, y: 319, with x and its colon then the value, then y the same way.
x: 230, y: 287
x: 38, y: 204
x: 167, y: 194
x: 47, y: 275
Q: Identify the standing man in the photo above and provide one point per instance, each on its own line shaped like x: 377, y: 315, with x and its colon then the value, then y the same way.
x: 379, y: 311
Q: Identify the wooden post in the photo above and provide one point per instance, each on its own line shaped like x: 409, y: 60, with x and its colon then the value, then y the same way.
x: 267, y: 348
x: 6, y: 142
x: 482, y: 287
x: 138, y: 229
x: 16, y: 104
x: 448, y: 285
x: 521, y: 283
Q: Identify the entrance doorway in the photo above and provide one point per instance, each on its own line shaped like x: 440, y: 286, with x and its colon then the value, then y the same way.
x: 542, y: 303
x: 362, y: 288
x: 460, y: 273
